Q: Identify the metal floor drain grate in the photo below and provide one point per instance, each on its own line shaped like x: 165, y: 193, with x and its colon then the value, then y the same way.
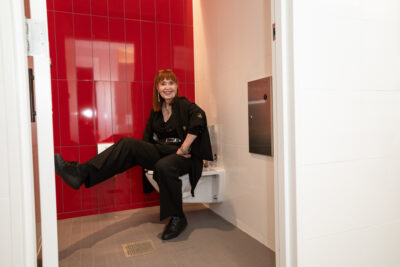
x: 138, y: 248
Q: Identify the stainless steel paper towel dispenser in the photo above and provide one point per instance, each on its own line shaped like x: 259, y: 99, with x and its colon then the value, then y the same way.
x: 260, y: 116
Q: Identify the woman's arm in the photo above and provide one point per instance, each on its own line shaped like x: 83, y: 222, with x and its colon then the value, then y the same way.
x: 195, y: 125
x: 185, y: 147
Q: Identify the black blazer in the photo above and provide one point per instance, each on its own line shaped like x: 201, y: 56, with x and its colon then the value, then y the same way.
x: 188, y: 116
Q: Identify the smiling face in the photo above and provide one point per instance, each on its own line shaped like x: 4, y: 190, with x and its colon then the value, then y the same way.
x: 167, y: 89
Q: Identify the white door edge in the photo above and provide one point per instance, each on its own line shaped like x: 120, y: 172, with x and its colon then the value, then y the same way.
x: 284, y: 146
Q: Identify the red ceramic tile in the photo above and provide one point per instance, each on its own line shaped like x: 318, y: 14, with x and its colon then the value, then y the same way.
x: 81, y: 6
x: 99, y: 7
x: 152, y: 197
x: 177, y: 11
x: 116, y: 8
x: 190, y: 92
x: 137, y: 185
x: 178, y: 51
x: 59, y: 189
x: 87, y: 152
x: 119, y: 108
x: 86, y: 121
x: 188, y: 13
x: 117, y: 50
x: 147, y: 99
x: 147, y: 10
x: 120, y: 118
x: 56, y: 113
x: 65, y: 46
x: 189, y: 54
x: 72, y: 197
x: 135, y: 110
x: 83, y: 47
x: 122, y: 189
x: 68, y: 113
x: 162, y: 10
x: 133, y: 51
x: 182, y: 89
x: 52, y: 44
x: 49, y: 4
x: 89, y: 195
x: 101, y: 49
x: 63, y: 5
x: 148, y: 51
x: 106, y: 195
x: 132, y: 9
x: 103, y: 112
x: 163, y: 46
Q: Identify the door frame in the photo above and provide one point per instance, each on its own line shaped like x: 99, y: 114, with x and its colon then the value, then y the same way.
x: 284, y: 135
x: 44, y: 118
x: 17, y: 195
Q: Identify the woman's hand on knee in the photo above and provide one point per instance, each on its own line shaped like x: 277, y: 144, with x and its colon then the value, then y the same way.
x: 183, y: 153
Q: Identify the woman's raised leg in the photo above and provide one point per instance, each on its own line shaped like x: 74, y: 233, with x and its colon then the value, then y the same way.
x: 124, y: 154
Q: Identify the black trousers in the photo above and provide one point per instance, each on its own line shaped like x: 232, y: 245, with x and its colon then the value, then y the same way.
x: 162, y: 159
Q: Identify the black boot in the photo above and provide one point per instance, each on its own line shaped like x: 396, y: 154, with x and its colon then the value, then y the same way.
x: 175, y: 226
x: 68, y: 171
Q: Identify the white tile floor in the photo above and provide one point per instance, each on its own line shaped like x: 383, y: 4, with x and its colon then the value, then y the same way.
x: 209, y: 240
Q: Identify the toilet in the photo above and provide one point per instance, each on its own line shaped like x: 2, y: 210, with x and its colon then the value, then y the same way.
x: 209, y: 189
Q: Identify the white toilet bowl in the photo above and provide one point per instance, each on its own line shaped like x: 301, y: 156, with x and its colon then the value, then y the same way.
x: 209, y: 189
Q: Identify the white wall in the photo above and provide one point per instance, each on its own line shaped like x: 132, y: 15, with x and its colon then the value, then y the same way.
x: 5, y: 222
x: 232, y: 46
x: 347, y: 95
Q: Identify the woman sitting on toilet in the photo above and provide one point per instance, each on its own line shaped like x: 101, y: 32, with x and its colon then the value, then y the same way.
x: 175, y: 142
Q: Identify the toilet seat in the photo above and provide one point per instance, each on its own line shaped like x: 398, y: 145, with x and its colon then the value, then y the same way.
x: 209, y: 189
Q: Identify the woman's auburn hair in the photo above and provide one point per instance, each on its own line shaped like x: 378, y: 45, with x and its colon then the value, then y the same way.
x: 161, y: 76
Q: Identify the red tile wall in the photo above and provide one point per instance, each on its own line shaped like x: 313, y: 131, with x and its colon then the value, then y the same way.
x: 104, y: 55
